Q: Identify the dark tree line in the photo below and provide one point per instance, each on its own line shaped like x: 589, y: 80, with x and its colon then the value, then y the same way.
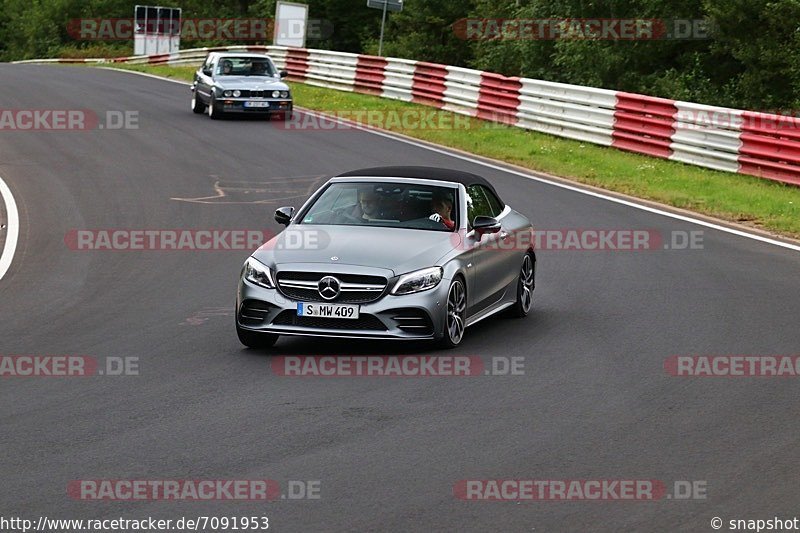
x: 746, y: 54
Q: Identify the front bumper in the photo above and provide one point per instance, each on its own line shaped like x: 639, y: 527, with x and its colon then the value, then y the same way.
x: 237, y: 105
x: 389, y: 317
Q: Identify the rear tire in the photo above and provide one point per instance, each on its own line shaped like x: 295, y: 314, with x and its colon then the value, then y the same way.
x: 198, y: 107
x: 255, y: 339
x: 525, y: 285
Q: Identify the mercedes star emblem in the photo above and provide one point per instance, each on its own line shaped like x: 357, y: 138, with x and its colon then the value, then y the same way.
x: 328, y: 287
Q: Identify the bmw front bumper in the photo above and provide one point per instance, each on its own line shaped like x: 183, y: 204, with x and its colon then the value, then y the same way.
x: 240, y: 105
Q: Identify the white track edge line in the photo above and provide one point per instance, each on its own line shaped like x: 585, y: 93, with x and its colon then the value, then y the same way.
x: 12, y: 229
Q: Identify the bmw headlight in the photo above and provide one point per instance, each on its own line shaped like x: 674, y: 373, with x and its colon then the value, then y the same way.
x: 276, y: 94
x: 284, y: 94
x: 419, y: 280
x: 237, y: 93
x: 226, y: 94
x: 258, y: 273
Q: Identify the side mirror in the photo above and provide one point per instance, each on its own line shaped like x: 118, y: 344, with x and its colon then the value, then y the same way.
x: 283, y: 215
x: 483, y: 225
x: 283, y: 74
x: 207, y: 71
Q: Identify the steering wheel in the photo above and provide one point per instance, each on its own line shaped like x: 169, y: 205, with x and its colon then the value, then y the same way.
x: 347, y: 218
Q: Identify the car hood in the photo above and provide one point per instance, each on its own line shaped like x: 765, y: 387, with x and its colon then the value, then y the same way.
x: 251, y: 82
x: 398, y: 250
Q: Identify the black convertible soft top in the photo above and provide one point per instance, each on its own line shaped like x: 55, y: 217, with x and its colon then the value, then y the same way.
x: 428, y: 173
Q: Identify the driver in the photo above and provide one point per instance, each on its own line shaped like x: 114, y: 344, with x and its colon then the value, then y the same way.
x: 259, y: 68
x: 442, y: 205
x: 369, y: 204
x: 227, y: 67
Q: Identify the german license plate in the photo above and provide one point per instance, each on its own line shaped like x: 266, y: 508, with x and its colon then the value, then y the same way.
x: 256, y: 104
x: 327, y: 310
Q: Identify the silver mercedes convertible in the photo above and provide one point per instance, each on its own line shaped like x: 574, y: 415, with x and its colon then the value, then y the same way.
x: 389, y: 253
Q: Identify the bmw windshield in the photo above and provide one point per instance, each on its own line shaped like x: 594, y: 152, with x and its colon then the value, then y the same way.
x: 385, y: 204
x: 244, y: 66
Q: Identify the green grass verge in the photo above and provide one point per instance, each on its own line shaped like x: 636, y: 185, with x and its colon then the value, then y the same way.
x: 735, y: 197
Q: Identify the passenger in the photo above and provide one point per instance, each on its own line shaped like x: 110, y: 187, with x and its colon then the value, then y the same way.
x: 442, y: 205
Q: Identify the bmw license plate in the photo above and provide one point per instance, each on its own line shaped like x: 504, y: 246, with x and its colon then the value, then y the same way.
x: 256, y: 104
x: 327, y: 310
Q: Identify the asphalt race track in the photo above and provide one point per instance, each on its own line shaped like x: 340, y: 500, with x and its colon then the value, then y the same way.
x: 594, y: 402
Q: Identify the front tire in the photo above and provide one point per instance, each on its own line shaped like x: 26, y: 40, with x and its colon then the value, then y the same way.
x: 455, y: 319
x: 213, y: 112
x: 525, y: 286
x: 255, y: 339
x: 198, y: 107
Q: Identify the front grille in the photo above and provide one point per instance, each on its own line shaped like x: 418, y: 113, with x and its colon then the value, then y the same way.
x: 290, y: 318
x: 414, y: 321
x: 355, y: 289
x: 256, y: 94
x: 254, y: 312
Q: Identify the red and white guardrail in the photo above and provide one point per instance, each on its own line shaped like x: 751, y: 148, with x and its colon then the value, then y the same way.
x: 758, y: 144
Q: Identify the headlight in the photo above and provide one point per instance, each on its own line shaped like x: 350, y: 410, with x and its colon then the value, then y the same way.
x: 419, y: 280
x: 258, y: 273
x: 237, y: 93
x: 226, y: 93
x: 284, y: 94
x: 276, y: 94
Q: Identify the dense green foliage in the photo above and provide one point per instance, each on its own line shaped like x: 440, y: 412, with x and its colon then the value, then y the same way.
x: 748, y: 58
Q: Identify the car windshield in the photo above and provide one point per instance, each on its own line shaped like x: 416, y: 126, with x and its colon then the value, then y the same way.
x: 244, y: 66
x: 385, y: 204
